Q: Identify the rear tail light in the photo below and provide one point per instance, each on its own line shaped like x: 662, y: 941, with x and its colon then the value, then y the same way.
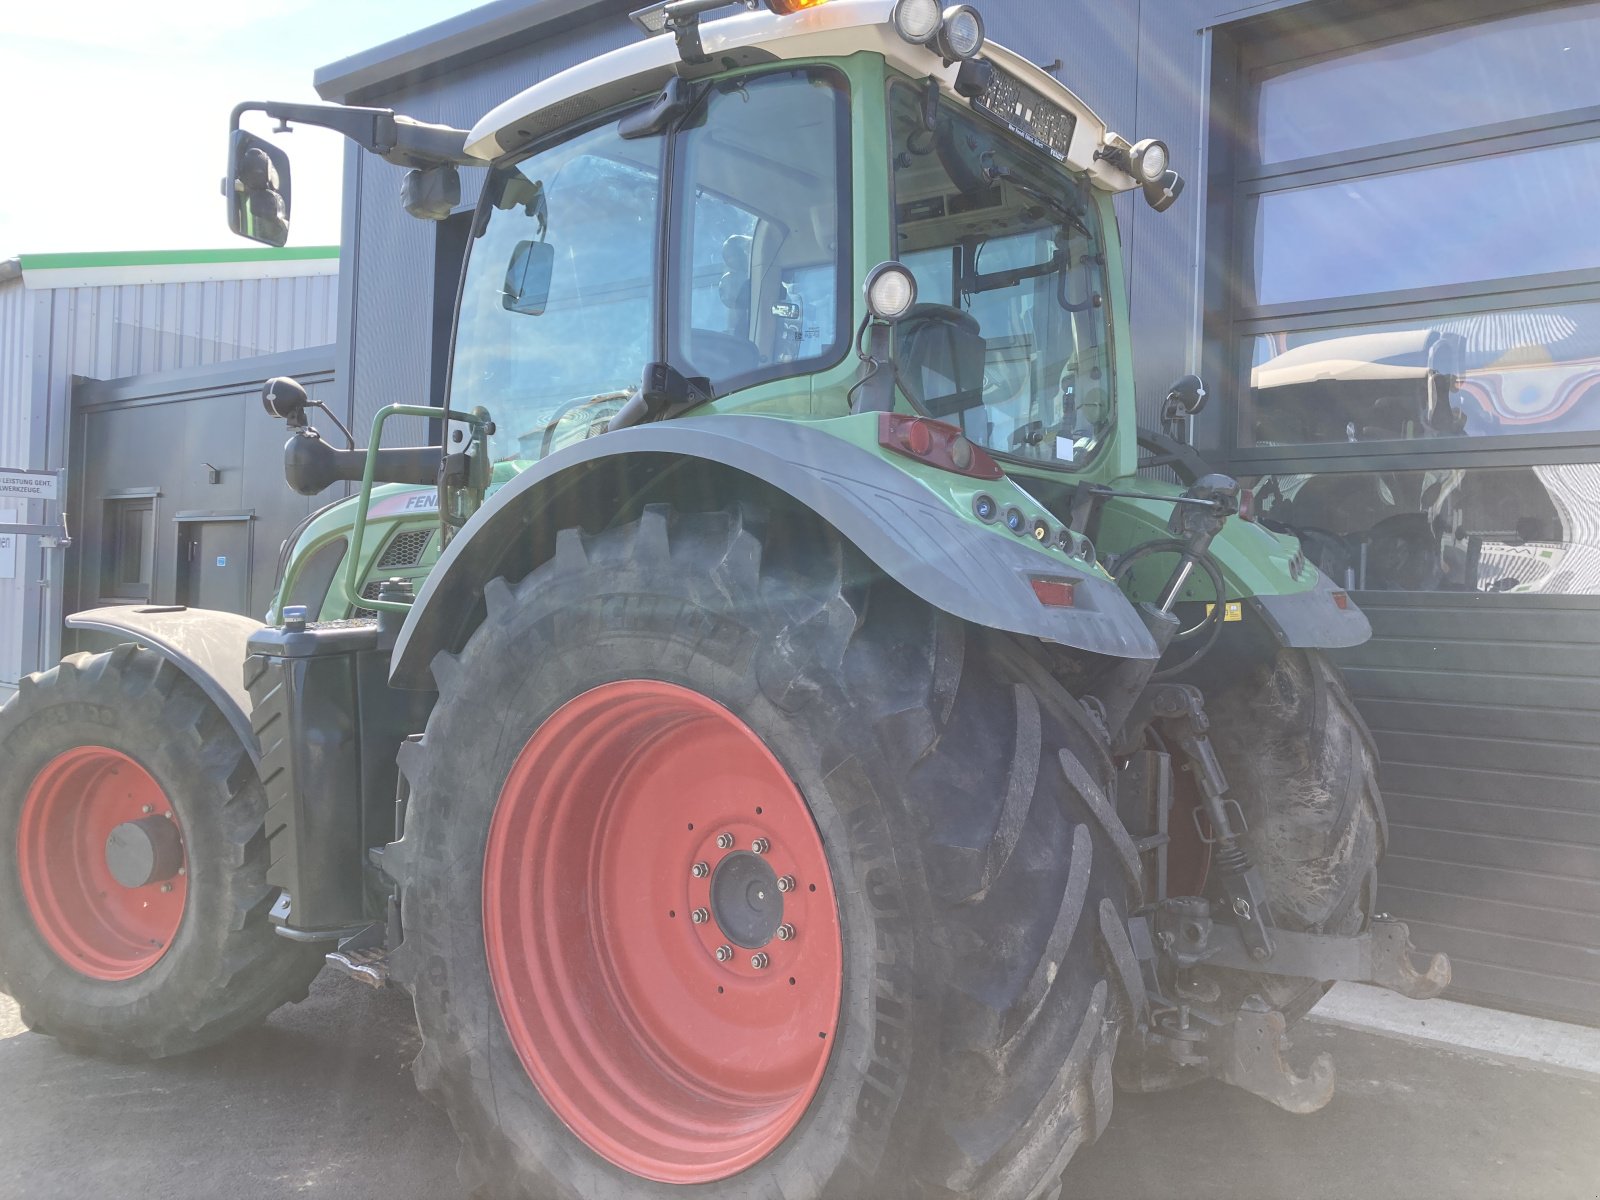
x: 935, y: 443
x: 1247, y: 504
x: 1341, y: 600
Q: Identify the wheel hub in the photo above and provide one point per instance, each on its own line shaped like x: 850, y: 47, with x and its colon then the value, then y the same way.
x: 745, y: 901
x: 661, y: 932
x: 142, y: 852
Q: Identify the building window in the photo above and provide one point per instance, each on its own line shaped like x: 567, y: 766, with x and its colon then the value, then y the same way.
x: 1407, y: 312
x: 1413, y: 250
x: 128, y: 549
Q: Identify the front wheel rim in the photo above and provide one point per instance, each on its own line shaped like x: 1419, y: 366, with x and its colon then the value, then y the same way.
x: 101, y: 928
x: 661, y: 932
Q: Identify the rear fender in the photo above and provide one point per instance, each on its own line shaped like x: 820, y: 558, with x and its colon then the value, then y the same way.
x: 207, y: 646
x: 979, y: 574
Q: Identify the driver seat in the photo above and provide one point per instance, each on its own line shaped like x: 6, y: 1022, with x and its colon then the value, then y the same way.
x: 940, y: 353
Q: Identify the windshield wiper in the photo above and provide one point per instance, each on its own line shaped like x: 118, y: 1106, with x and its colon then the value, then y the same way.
x: 1067, y: 212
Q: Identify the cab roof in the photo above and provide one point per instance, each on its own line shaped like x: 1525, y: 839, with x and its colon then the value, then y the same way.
x: 830, y: 30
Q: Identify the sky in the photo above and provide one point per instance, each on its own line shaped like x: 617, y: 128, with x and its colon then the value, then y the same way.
x: 114, y: 135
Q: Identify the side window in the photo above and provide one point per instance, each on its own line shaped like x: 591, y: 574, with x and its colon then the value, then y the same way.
x: 128, y: 549
x: 762, y: 229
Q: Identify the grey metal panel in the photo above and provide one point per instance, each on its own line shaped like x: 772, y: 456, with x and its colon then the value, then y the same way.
x: 1484, y: 711
x: 160, y: 431
x: 418, y: 56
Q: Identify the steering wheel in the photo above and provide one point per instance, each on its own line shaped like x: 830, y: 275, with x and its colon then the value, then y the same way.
x: 721, y: 356
x: 1203, y: 634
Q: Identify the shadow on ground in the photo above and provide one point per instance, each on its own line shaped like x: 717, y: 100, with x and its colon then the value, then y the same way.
x: 319, y: 1101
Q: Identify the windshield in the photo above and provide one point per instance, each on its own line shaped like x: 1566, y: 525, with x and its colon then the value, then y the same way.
x: 527, y: 349
x: 563, y: 282
x: 1009, y: 338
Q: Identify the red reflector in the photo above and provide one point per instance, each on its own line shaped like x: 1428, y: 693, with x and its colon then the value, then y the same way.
x: 1247, y: 504
x: 1057, y: 593
x: 1341, y: 600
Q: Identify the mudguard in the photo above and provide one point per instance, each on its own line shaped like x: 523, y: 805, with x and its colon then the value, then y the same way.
x: 207, y: 646
x: 1313, y: 619
x: 978, y: 574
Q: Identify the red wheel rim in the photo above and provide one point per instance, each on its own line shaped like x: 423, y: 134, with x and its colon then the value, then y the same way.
x: 622, y: 816
x: 97, y: 926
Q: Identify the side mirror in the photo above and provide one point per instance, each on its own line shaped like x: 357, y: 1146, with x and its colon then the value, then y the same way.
x: 527, y: 286
x: 1185, y: 398
x: 257, y: 188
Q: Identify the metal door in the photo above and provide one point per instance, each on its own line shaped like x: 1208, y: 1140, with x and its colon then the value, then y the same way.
x: 214, y: 565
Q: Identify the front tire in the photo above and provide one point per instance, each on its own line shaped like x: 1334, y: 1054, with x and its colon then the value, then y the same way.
x: 160, y: 945
x: 953, y: 1033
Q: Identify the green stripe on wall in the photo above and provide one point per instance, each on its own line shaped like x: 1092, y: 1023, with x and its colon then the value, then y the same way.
x: 153, y: 258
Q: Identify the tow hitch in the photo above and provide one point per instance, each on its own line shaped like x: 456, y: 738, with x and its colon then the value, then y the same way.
x: 1251, y: 1051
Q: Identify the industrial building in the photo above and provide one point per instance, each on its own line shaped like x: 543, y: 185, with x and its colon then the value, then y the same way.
x: 1383, y: 269
x: 131, y: 377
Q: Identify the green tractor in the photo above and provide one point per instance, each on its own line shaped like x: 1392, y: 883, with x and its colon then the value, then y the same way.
x: 778, y: 737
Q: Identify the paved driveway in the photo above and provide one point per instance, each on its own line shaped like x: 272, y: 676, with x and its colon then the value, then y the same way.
x: 319, y: 1102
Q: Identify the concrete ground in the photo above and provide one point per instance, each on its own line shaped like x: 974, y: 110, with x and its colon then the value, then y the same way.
x: 319, y: 1102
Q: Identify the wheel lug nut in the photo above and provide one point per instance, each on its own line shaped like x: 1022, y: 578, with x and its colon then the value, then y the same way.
x: 724, y: 953
x: 147, y: 808
x: 700, y: 870
x: 700, y: 916
x: 786, y: 883
x: 761, y: 845
x: 785, y: 932
x: 724, y: 841
x: 166, y: 887
x: 759, y: 961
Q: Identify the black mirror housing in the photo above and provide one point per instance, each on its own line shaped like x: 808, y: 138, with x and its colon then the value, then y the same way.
x: 431, y: 193
x: 285, y: 399
x: 257, y: 189
x: 528, y: 274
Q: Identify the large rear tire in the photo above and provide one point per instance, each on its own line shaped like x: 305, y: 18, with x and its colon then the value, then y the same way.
x: 159, y: 944
x: 939, y: 1018
x: 1302, y: 764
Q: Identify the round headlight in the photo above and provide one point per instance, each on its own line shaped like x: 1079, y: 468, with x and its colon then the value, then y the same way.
x: 891, y: 290
x: 916, y: 20
x: 1149, y: 160
x: 960, y: 35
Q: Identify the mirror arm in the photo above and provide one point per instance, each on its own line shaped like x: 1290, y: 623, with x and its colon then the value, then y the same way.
x: 397, y: 139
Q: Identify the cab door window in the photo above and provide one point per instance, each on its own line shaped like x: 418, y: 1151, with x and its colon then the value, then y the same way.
x: 760, y: 229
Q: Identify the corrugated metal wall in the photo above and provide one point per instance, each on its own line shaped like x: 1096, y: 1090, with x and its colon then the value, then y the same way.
x: 47, y: 337
x: 1486, y: 711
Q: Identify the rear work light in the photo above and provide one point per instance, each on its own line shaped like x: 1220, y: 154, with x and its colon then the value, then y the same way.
x: 936, y: 444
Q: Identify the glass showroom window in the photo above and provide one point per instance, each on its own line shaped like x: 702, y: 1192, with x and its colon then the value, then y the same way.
x: 1417, y: 258
x: 1415, y: 315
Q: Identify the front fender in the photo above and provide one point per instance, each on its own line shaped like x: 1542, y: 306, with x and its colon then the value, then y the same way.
x: 979, y: 574
x: 207, y: 646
